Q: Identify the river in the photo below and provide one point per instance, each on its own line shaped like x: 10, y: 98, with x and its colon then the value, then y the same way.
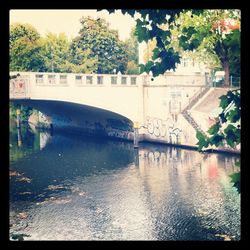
x: 68, y: 187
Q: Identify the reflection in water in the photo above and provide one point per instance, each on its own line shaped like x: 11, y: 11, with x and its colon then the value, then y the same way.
x: 70, y: 188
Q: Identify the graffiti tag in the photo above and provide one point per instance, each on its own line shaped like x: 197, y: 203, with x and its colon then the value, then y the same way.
x: 159, y: 128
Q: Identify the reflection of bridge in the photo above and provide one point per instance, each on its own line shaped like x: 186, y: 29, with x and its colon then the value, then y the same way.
x: 110, y: 104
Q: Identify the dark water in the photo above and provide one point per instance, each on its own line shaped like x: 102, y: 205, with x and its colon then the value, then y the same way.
x: 66, y: 187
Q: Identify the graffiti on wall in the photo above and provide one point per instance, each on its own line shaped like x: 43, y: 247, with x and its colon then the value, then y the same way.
x: 163, y: 128
x: 18, y: 87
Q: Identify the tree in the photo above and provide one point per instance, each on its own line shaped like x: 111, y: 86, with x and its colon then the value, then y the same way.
x: 25, y: 48
x: 104, y: 45
x: 203, y: 53
x: 219, y: 29
x: 131, y: 46
x: 56, y: 49
x: 148, y: 27
x: 80, y: 61
x: 214, y: 32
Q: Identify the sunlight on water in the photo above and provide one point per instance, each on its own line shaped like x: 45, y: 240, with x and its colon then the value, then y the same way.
x: 64, y: 187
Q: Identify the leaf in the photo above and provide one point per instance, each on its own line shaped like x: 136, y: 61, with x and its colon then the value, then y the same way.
x: 214, y: 129
x: 216, y: 140
x: 222, y: 117
x: 142, y: 68
x: 148, y: 66
x: 18, y: 237
x: 203, y: 142
x: 234, y: 115
x: 235, y: 177
x: 156, y: 53
x: 200, y: 136
x: 237, y: 163
x: 224, y: 101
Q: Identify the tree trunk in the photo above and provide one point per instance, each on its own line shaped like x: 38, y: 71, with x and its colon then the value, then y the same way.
x: 227, y: 73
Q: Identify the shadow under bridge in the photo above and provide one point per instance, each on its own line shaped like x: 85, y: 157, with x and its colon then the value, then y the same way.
x: 78, y: 118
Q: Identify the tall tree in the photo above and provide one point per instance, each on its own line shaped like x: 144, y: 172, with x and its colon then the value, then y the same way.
x: 131, y: 46
x: 103, y: 43
x: 80, y: 61
x: 64, y: 56
x: 148, y: 28
x: 25, y: 48
x: 221, y: 31
x: 215, y: 33
x: 56, y: 49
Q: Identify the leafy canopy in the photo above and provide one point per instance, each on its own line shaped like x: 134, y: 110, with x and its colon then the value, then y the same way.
x: 102, y: 43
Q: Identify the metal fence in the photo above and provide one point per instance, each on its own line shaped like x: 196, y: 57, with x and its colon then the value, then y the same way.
x: 233, y: 82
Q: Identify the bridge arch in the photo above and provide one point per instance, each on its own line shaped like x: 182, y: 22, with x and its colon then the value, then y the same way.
x: 83, y: 119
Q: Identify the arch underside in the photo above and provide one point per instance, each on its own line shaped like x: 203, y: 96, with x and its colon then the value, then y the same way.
x: 82, y: 119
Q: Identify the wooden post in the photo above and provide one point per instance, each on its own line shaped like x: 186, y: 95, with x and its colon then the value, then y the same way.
x: 18, y: 120
x: 136, y: 134
x: 136, y: 157
x: 19, y: 137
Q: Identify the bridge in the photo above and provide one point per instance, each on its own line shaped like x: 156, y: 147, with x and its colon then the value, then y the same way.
x: 114, y: 105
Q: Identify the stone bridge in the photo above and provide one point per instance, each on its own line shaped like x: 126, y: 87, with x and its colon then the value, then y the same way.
x: 113, y: 105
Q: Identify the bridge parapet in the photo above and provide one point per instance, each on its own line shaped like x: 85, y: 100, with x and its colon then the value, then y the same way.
x: 68, y: 79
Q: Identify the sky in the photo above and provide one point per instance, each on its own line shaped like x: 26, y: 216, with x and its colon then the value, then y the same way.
x: 67, y: 21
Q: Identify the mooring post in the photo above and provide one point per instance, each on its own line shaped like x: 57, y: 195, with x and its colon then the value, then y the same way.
x: 136, y: 156
x: 19, y: 137
x: 18, y: 120
x: 136, y: 134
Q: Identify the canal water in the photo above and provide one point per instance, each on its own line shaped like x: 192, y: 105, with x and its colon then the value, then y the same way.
x: 66, y: 187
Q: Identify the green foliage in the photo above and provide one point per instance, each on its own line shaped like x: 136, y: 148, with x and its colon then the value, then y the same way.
x: 214, y: 129
x: 101, y: 43
x: 25, y: 111
x: 132, y: 68
x: 18, y: 236
x: 195, y: 30
x: 203, y: 141
x: 210, y: 33
x: 227, y: 127
x: 55, y: 52
x: 132, y: 50
x: 148, y: 28
x: 96, y: 50
x: 235, y: 179
x: 25, y: 48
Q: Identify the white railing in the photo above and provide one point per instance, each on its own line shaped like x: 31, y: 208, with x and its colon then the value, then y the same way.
x: 70, y: 79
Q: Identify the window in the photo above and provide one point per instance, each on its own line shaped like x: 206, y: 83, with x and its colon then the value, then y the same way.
x: 78, y: 79
x: 39, y: 78
x: 124, y: 80
x: 133, y: 80
x: 193, y: 63
x: 63, y: 79
x: 52, y: 79
x: 113, y: 79
x: 185, y: 62
x: 89, y: 79
x: 99, y: 79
